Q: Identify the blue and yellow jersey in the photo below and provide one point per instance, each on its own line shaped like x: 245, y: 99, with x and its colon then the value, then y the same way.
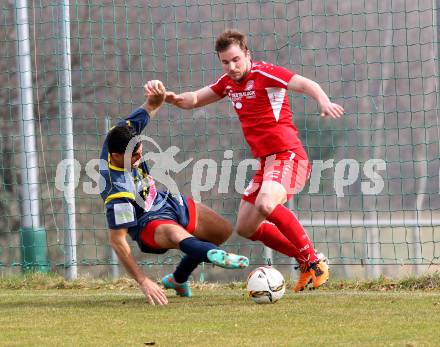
x: 127, y: 194
x: 130, y: 196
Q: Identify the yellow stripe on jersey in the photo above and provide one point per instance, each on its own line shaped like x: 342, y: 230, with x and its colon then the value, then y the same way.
x: 119, y: 195
x: 110, y: 166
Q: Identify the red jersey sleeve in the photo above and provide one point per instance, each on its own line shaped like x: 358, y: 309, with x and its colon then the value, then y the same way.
x: 219, y: 87
x: 273, y: 75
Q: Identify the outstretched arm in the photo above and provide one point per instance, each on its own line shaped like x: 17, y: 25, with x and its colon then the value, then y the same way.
x: 190, y: 100
x: 153, y: 293
x: 300, y: 84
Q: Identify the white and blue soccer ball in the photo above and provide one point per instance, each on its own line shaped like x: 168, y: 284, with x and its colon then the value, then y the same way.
x: 265, y: 285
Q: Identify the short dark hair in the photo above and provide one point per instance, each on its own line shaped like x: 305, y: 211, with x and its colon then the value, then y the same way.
x: 230, y: 37
x: 119, y: 137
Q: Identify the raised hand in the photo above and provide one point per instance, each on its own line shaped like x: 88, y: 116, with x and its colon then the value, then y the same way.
x: 155, y: 93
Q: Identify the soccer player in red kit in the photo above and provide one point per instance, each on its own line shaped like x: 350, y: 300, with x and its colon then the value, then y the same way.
x: 258, y: 92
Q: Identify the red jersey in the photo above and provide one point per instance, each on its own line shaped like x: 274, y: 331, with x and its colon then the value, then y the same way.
x: 262, y: 105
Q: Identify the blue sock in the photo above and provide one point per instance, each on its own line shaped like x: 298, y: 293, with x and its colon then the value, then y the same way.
x: 196, y: 248
x: 186, y: 266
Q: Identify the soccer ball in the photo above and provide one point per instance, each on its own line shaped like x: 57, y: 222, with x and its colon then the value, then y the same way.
x: 323, y: 258
x: 265, y: 285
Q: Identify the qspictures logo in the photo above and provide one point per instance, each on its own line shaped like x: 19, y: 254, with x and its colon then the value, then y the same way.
x: 206, y: 174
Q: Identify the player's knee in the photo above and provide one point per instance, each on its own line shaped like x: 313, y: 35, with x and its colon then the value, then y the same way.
x: 241, y: 232
x: 169, y: 236
x: 226, y: 232
x: 244, y: 231
x: 265, y: 206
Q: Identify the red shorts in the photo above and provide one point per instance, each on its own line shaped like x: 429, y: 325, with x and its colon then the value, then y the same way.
x: 290, y: 169
x: 147, y: 233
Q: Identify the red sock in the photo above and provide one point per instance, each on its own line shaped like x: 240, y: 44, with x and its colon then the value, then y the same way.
x: 289, y: 225
x: 272, y: 237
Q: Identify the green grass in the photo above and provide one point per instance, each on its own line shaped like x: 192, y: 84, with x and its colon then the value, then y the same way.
x: 103, y: 313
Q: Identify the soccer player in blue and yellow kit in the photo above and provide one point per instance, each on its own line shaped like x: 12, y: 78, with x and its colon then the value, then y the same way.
x: 156, y: 220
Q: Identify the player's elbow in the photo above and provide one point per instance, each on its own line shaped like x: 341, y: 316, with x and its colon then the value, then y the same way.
x: 113, y: 241
x: 186, y: 101
x: 194, y: 101
x: 301, y: 85
x: 186, y: 106
x: 117, y: 239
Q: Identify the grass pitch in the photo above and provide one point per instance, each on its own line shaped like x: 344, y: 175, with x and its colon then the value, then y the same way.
x: 117, y: 315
